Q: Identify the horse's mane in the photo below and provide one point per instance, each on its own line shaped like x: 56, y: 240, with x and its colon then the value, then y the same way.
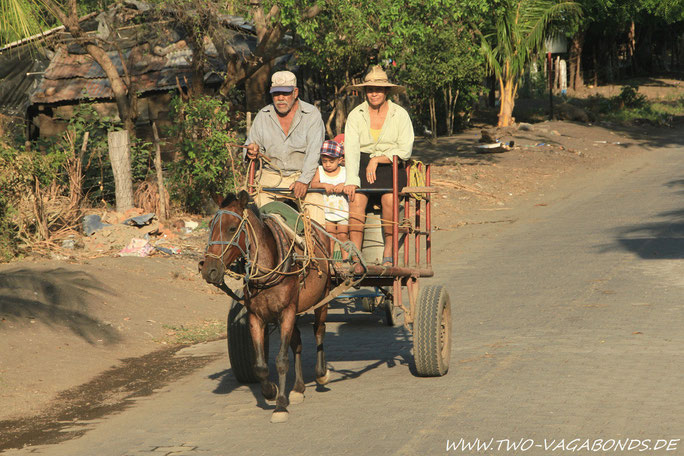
x: 231, y: 197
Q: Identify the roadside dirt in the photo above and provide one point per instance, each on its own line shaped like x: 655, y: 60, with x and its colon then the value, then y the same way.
x: 87, y: 311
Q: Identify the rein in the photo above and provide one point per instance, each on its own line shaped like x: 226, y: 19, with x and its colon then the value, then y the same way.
x: 258, y: 276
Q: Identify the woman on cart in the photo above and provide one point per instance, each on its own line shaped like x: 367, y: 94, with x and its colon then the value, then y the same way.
x: 375, y: 132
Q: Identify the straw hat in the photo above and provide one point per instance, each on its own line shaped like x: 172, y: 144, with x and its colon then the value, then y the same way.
x: 377, y: 77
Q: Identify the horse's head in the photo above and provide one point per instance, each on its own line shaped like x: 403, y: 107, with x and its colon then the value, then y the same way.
x: 227, y: 238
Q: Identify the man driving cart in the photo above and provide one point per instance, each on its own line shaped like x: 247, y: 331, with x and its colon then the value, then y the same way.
x: 287, y: 135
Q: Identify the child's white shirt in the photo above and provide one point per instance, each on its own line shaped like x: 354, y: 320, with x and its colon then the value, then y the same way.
x: 336, y: 205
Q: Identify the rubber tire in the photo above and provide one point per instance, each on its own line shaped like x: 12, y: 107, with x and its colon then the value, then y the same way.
x: 240, y: 348
x: 432, y: 332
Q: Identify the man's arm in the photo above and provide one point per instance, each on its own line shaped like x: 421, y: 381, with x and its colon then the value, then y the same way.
x: 253, y: 142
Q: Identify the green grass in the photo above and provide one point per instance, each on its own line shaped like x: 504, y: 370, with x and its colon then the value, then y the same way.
x: 630, y: 107
x: 206, y: 331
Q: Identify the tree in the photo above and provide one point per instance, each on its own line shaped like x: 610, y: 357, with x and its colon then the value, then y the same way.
x: 19, y: 13
x: 517, y: 32
x: 423, y: 43
x: 273, y: 21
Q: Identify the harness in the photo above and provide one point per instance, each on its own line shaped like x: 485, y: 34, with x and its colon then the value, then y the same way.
x: 256, y: 276
x: 286, y: 256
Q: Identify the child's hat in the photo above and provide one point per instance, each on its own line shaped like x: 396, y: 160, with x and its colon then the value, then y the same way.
x: 332, y: 149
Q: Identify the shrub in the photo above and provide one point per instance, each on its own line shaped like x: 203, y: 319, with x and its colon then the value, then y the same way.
x: 206, y: 164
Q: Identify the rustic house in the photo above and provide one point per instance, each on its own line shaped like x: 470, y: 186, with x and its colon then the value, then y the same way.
x: 43, y: 85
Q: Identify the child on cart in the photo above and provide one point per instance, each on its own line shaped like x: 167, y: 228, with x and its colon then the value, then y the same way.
x: 331, y: 176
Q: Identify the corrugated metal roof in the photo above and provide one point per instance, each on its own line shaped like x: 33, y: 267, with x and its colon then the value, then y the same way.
x: 69, y: 66
x: 78, y: 76
x: 55, y: 90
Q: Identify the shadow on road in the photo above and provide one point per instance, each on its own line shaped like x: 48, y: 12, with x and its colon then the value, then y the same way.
x: 661, y: 240
x: 361, y: 337
x: 55, y: 297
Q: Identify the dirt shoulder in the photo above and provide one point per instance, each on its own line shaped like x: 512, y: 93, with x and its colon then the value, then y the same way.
x: 65, y: 320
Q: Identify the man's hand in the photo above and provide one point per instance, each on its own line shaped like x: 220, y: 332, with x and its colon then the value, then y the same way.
x: 252, y: 151
x: 299, y: 189
x: 350, y: 191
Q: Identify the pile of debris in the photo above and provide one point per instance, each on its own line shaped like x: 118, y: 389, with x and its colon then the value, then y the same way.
x: 134, y: 233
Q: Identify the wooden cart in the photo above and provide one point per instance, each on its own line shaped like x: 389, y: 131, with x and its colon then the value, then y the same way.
x: 428, y: 313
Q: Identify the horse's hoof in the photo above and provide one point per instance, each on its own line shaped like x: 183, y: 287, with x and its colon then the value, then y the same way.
x: 324, y: 379
x: 296, y: 397
x: 279, y: 417
x: 270, y: 394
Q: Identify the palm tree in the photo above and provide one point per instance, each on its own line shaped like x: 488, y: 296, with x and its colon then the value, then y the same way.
x: 518, y: 32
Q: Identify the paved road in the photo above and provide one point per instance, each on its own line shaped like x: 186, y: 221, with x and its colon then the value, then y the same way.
x: 567, y: 325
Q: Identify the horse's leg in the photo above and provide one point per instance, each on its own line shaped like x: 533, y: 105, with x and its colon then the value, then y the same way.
x: 257, y: 329
x: 322, y: 374
x: 297, y: 394
x: 287, y: 320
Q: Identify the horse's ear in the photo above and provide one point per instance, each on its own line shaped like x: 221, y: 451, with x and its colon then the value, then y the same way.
x: 243, y: 198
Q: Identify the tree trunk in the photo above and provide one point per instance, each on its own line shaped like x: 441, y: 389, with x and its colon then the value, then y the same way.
x: 433, y: 117
x: 256, y: 87
x: 448, y: 117
x: 196, y: 88
x: 125, y: 101
x: 508, y: 90
x: 163, y: 210
x: 575, y: 77
x: 595, y: 61
x: 120, y: 158
x: 450, y: 98
x: 631, y: 48
x: 556, y: 73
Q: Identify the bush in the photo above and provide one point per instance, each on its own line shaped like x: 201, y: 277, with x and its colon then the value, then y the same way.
x: 206, y: 165
x: 631, y: 98
x: 97, y: 184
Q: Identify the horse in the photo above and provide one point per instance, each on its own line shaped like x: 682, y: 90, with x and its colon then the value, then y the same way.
x: 276, y: 288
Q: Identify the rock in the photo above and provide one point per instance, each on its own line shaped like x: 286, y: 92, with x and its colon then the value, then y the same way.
x: 567, y: 111
x: 487, y: 137
x: 525, y: 126
x: 92, y: 223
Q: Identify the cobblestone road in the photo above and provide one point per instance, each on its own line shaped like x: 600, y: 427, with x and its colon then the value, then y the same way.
x: 567, y: 325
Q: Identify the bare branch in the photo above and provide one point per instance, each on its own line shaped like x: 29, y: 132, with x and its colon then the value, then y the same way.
x: 275, y: 10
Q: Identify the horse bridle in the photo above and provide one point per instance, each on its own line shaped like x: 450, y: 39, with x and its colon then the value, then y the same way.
x: 234, y: 241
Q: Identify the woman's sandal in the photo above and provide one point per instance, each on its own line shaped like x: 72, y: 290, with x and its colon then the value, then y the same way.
x: 387, y: 261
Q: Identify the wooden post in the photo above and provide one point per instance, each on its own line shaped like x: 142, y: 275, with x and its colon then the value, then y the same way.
x: 120, y: 158
x: 163, y: 210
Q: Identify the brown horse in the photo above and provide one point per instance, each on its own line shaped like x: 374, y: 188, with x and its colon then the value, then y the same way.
x: 277, y: 288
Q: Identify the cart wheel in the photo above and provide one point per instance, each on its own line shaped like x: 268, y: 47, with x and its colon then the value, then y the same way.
x: 240, y: 348
x: 432, y: 332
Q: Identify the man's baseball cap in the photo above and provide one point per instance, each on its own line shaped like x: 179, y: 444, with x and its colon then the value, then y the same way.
x: 332, y: 149
x: 283, y: 81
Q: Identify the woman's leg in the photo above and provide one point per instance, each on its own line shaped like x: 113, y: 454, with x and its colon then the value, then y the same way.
x: 387, y: 225
x: 357, y: 217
